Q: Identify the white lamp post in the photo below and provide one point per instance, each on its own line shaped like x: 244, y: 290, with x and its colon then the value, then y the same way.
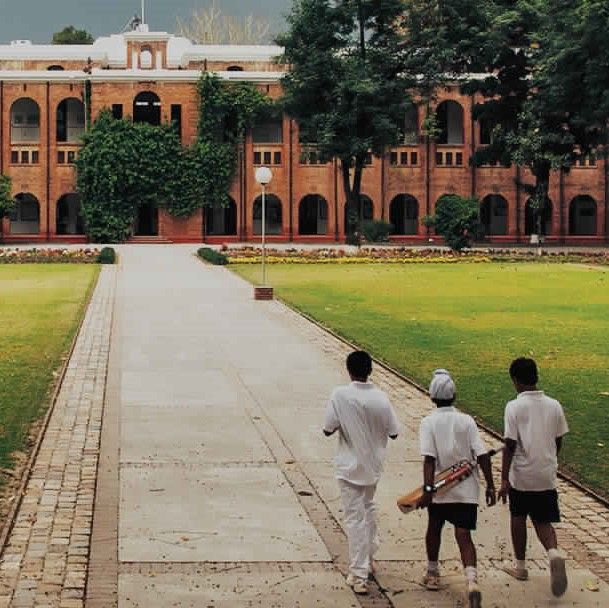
x: 263, y: 177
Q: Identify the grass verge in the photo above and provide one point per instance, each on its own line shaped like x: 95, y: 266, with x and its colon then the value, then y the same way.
x: 474, y: 320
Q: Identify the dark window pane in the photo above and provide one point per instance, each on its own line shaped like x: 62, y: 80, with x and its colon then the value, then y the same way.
x: 277, y: 158
x: 393, y: 158
x: 117, y: 110
x: 403, y: 158
x: 61, y: 157
x: 267, y: 158
x: 25, y: 157
x: 459, y: 158
x: 270, y: 132
x: 71, y: 156
x: 414, y: 158
x: 176, y: 119
x: 35, y: 157
x: 449, y: 158
x: 14, y: 157
x: 439, y: 158
x: 257, y: 158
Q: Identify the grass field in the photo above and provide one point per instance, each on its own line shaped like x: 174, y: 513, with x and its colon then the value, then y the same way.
x: 473, y: 320
x: 40, y: 308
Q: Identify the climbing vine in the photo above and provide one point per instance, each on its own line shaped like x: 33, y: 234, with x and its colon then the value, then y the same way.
x: 7, y: 202
x: 123, y: 165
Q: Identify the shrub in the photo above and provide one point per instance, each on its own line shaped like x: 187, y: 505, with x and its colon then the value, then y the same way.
x: 456, y: 219
x: 212, y: 256
x: 107, y: 256
x: 376, y: 231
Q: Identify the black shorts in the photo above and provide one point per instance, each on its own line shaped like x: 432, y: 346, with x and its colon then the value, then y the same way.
x: 459, y: 514
x: 542, y: 506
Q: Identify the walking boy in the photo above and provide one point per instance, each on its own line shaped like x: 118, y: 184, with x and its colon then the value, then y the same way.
x: 448, y: 437
x: 364, y: 418
x: 534, y: 427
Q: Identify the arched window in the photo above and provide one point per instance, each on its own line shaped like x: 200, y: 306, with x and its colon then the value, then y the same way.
x: 147, y: 108
x: 313, y: 215
x: 55, y: 68
x: 494, y: 215
x: 25, y: 121
x: 450, y: 122
x: 582, y: 216
x: 404, y: 214
x: 234, y: 68
x: 273, y: 224
x: 70, y: 120
x: 354, y: 213
x: 69, y: 218
x: 411, y: 125
x: 25, y: 217
x: 146, y: 58
x: 221, y: 221
x: 532, y: 217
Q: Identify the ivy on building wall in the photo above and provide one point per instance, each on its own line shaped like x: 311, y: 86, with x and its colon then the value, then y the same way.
x: 7, y: 202
x: 123, y: 165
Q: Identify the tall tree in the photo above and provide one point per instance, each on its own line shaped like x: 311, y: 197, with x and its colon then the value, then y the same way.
x: 70, y: 35
x: 346, y: 86
x: 209, y: 25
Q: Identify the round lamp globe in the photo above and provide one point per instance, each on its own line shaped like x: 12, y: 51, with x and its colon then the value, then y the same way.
x: 264, y: 176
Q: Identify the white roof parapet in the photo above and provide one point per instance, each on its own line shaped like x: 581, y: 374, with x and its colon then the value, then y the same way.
x: 71, y: 76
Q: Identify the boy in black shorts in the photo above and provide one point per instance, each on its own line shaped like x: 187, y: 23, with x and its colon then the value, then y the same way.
x: 534, y: 427
x: 448, y: 437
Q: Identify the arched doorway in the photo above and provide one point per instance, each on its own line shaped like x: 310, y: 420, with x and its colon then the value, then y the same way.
x: 273, y: 212
x: 221, y: 221
x: 70, y: 120
x: 404, y: 214
x: 25, y: 121
x: 354, y: 213
x: 531, y: 218
x: 450, y: 121
x: 25, y: 217
x: 69, y: 217
x: 147, y: 220
x: 494, y: 215
x: 313, y: 215
x: 582, y: 216
x: 147, y: 108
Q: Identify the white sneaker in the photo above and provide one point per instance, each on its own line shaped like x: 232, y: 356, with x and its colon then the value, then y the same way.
x: 359, y: 585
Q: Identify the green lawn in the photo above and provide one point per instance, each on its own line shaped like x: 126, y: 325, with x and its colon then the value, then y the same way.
x: 473, y: 320
x: 40, y: 308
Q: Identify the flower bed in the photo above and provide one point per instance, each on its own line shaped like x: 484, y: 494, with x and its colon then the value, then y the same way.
x: 50, y: 256
x: 402, y: 255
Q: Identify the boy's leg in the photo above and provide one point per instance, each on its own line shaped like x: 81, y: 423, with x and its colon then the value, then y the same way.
x: 543, y: 515
x: 371, y: 525
x: 355, y: 522
x: 518, y: 528
x: 519, y: 511
x: 466, y: 547
x: 433, y: 540
x: 465, y: 520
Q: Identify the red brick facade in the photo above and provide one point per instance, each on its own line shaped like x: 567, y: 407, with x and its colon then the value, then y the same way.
x: 37, y: 154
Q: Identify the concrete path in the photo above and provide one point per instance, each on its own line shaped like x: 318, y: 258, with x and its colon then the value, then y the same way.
x: 215, y: 484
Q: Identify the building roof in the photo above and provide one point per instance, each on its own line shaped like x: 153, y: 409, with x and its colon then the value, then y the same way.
x: 111, y: 51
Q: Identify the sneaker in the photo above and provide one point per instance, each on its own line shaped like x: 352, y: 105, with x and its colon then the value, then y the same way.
x: 558, y: 575
x: 520, y: 574
x: 358, y: 585
x: 431, y: 581
x: 474, y: 597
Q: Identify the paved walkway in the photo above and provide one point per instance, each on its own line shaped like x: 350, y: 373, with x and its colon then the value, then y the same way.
x: 215, y: 484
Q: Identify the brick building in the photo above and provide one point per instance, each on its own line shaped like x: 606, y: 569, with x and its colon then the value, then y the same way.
x: 151, y: 76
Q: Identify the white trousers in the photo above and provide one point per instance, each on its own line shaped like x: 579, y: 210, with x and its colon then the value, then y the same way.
x: 360, y: 521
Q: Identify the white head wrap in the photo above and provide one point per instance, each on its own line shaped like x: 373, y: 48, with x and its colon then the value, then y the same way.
x: 442, y: 386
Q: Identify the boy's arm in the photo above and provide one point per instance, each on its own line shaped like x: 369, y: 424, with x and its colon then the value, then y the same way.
x: 558, y: 445
x: 484, y: 462
x: 429, y: 474
x: 393, y: 427
x: 506, y: 463
x: 331, y: 422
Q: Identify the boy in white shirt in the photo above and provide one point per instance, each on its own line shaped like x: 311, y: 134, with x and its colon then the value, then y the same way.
x: 534, y: 427
x: 365, y: 419
x: 448, y: 437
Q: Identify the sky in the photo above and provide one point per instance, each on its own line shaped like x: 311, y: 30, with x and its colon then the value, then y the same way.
x: 36, y: 20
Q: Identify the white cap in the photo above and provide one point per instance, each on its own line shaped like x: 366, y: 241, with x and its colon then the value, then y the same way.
x: 442, y: 386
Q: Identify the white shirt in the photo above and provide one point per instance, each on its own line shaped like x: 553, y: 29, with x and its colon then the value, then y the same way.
x: 450, y: 436
x: 364, y: 417
x: 534, y: 421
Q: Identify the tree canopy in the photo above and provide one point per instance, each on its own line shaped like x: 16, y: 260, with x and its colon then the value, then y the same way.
x: 346, y: 86
x: 71, y: 35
